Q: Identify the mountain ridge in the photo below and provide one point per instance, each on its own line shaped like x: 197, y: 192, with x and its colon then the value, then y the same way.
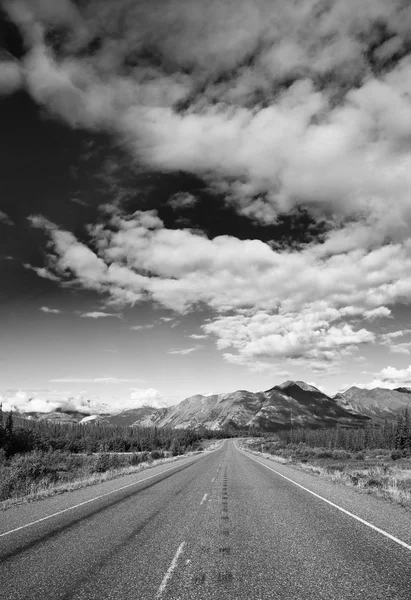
x: 289, y: 404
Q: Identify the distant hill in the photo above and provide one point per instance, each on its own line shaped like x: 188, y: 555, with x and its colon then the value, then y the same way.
x: 293, y: 403
x: 290, y: 404
x: 126, y: 418
x: 403, y: 390
x: 379, y: 404
x: 56, y: 416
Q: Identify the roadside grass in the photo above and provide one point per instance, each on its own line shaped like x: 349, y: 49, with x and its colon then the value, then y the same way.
x: 37, y: 475
x: 371, y: 471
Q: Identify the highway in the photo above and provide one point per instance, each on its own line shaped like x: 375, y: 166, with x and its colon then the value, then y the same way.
x: 223, y: 525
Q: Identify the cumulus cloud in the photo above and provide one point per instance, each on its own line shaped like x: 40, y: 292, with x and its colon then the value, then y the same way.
x: 4, y: 218
x: 309, y: 335
x: 276, y: 105
x: 391, y: 340
x: 11, y: 75
x: 312, y: 314
x: 41, y: 272
x: 391, y: 377
x: 182, y: 200
x: 49, y: 400
x: 53, y: 311
x: 146, y: 397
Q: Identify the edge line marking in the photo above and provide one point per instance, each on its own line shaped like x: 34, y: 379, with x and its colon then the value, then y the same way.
x: 60, y: 512
x: 347, y: 512
x: 204, y: 499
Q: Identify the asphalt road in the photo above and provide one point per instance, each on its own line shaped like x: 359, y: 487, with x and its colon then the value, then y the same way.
x: 221, y: 526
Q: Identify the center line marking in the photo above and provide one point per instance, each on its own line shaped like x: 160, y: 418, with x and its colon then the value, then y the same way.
x: 204, y: 499
x: 213, y: 479
x: 170, y: 570
x: 347, y: 512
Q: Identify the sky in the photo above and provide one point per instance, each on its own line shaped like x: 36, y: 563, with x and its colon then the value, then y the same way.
x: 200, y: 196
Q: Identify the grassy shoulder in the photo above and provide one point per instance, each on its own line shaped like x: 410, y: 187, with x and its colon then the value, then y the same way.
x: 376, y: 471
x: 37, y: 475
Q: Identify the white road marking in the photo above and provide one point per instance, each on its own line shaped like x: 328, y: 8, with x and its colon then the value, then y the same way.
x: 60, y: 512
x: 347, y: 512
x: 170, y: 570
x: 204, y: 499
x: 213, y: 479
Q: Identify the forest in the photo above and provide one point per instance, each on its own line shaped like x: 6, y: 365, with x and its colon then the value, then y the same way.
x: 391, y: 436
x: 19, y: 435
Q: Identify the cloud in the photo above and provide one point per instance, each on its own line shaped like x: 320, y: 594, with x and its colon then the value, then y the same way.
x: 41, y: 272
x: 198, y: 336
x: 11, y: 75
x: 141, y: 327
x: 391, y: 377
x: 391, y: 341
x: 377, y: 313
x: 184, y: 351
x: 4, y: 218
x: 49, y: 400
x: 79, y: 202
x: 313, y: 314
x: 146, y: 397
x: 276, y: 106
x: 182, y: 200
x: 99, y: 315
x: 110, y: 380
x: 309, y: 335
x: 54, y: 311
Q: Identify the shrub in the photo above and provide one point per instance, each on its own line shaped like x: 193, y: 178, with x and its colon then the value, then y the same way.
x: 373, y: 482
x: 3, y: 456
x: 135, y: 459
x: 360, y: 455
x: 156, y: 454
x: 396, y: 454
x: 335, y: 467
x: 324, y: 453
x: 340, y: 454
x: 378, y: 453
x: 103, y: 463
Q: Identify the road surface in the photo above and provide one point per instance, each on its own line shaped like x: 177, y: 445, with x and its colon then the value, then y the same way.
x: 225, y: 525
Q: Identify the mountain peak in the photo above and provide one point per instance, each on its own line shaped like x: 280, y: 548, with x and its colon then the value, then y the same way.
x: 301, y: 384
x: 403, y: 390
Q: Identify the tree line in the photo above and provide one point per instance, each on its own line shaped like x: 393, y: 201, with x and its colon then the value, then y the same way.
x: 390, y: 436
x: 19, y: 435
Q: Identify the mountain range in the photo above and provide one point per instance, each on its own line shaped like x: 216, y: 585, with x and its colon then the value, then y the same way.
x: 290, y: 404
x: 378, y: 404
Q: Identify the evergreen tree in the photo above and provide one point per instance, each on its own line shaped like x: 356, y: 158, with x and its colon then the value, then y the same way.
x: 399, y: 433
x: 407, y: 432
x: 9, y: 424
x: 2, y: 434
